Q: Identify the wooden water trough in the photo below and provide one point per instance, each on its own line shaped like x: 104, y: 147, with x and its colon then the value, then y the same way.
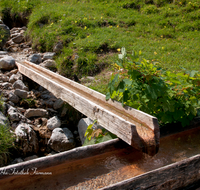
x: 112, y: 165
x: 136, y: 128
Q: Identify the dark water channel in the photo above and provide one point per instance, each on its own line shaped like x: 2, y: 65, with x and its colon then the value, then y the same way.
x: 109, y: 168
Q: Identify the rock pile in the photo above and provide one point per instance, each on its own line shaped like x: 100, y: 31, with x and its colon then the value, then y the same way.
x: 22, y: 50
x: 38, y: 119
x: 42, y: 123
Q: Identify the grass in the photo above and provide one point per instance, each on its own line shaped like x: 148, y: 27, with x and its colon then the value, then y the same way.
x: 6, y: 142
x: 92, y: 31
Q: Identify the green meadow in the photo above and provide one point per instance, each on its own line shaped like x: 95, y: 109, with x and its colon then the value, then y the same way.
x: 93, y: 31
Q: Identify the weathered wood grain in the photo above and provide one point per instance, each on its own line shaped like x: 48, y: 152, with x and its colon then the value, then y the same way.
x: 67, y: 156
x: 136, y: 128
x: 175, y: 176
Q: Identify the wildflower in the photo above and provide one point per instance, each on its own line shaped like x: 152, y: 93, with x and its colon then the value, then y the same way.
x: 155, y: 53
x: 117, y: 26
x: 140, y: 52
x: 163, y: 48
x: 161, y: 36
x: 118, y: 49
x: 85, y: 27
x: 75, y: 21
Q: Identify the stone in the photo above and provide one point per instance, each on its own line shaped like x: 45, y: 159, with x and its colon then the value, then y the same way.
x: 90, y: 78
x: 21, y: 93
x: 3, y: 119
x: 15, y: 115
x: 14, y: 35
x: 7, y: 63
x: 13, y: 49
x: 3, y: 53
x: 46, y: 94
x: 53, y: 123
x: 35, y: 58
x: 30, y: 158
x: 13, y: 98
x: 14, y: 125
x: 10, y: 43
x: 17, y: 160
x: 24, y: 28
x: 15, y: 77
x: 64, y: 111
x: 83, y: 125
x: 5, y: 85
x: 11, y: 103
x: 61, y: 140
x: 5, y: 33
x: 35, y: 113
x: 19, y: 38
x: 4, y: 78
x: 14, y: 71
x: 58, y: 47
x: 21, y: 110
x: 19, y: 85
x: 26, y: 139
x: 15, y: 30
x: 48, y: 103
x: 58, y: 104
x: 48, y: 55
x: 48, y: 64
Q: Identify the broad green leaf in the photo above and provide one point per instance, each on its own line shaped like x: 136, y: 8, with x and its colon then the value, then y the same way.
x: 125, y: 96
x: 127, y: 82
x: 121, y: 86
x: 115, y: 79
x: 192, y: 73
x: 119, y: 63
x: 88, y: 142
x: 107, y: 95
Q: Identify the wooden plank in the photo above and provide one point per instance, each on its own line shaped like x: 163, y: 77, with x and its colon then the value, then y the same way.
x: 136, y: 128
x: 175, y: 176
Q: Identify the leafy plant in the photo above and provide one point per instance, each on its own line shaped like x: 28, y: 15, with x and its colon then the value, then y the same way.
x: 144, y: 85
x: 94, y: 136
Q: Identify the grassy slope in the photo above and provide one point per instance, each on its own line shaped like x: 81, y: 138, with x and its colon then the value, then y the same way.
x: 94, y: 30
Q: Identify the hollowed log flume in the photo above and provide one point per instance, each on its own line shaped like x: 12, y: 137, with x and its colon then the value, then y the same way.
x: 135, y: 127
